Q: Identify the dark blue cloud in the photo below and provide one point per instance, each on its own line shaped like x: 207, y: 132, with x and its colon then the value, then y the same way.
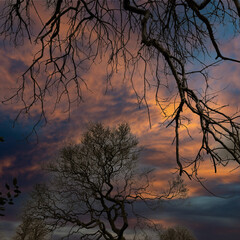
x: 16, y: 66
x: 208, y: 217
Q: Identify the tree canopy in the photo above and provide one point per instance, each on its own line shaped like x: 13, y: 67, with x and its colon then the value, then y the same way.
x: 167, y: 42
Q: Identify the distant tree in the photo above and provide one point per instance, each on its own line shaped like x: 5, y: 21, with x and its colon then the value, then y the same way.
x: 31, y: 229
x: 2, y: 236
x: 170, y: 43
x: 177, y: 233
x: 94, y: 185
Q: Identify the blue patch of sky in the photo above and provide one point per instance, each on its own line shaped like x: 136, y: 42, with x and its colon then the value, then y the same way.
x: 14, y: 138
x: 223, y: 33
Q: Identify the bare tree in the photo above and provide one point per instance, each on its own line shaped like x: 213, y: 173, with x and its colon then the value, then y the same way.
x: 166, y: 37
x: 94, y: 186
x: 31, y: 229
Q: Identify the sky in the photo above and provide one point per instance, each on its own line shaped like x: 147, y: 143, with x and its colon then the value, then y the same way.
x: 209, y: 216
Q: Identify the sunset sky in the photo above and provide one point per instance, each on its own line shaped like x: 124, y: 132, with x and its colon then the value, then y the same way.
x: 208, y: 216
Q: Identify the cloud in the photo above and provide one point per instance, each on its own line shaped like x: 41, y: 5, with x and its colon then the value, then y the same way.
x: 6, y: 162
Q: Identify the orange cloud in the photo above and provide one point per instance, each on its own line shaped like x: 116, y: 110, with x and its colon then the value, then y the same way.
x: 6, y: 163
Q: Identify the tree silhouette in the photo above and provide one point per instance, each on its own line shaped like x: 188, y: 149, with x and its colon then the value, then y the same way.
x: 93, y: 186
x: 161, y: 40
